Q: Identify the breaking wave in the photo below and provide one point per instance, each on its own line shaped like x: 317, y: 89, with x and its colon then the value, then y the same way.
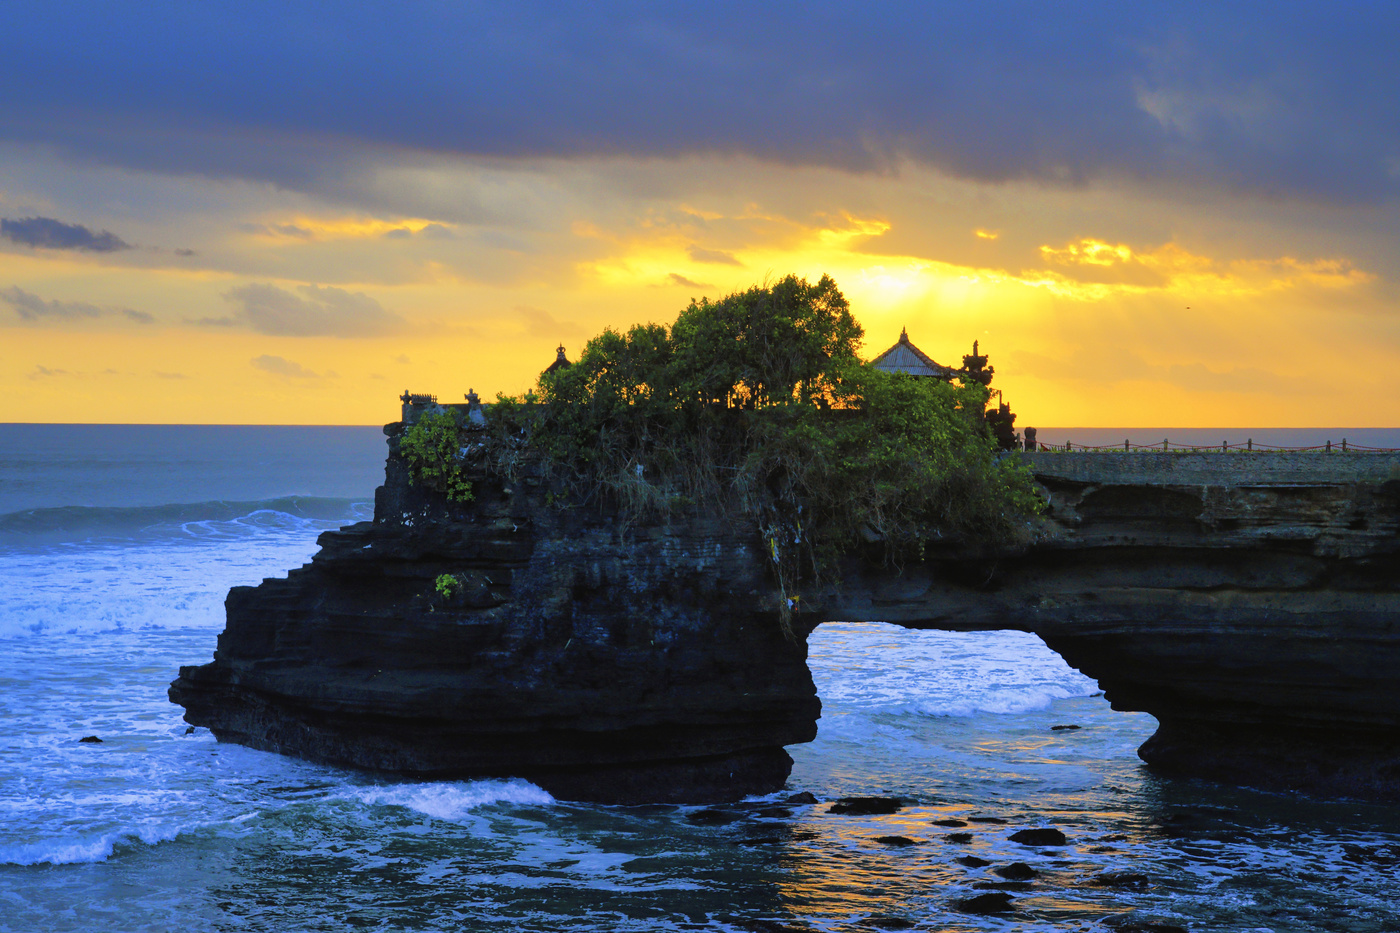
x: 456, y: 799
x: 194, y: 520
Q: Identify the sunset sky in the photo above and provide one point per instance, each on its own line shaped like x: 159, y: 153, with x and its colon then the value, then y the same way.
x: 290, y: 213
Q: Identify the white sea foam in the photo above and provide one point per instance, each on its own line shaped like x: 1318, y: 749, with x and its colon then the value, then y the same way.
x: 880, y: 667
x: 98, y: 848
x: 146, y: 585
x: 455, y: 800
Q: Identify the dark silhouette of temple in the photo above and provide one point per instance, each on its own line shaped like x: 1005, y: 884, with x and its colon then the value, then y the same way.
x: 904, y: 357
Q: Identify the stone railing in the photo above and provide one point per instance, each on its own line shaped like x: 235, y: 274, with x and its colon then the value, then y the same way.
x: 1199, y: 467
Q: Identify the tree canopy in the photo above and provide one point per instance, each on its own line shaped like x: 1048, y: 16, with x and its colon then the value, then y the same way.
x: 758, y: 406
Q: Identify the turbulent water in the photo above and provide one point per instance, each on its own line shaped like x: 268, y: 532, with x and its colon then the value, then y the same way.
x: 105, y: 592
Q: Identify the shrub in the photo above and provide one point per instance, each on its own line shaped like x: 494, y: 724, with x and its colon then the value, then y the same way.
x: 757, y: 407
x: 433, y: 448
x: 446, y: 584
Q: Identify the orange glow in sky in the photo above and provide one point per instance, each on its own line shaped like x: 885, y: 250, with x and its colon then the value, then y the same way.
x: 259, y: 306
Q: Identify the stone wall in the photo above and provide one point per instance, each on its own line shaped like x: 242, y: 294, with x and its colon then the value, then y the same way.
x: 1233, y: 468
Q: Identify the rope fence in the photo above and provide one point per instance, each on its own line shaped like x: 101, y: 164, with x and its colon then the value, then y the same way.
x: 1249, y: 446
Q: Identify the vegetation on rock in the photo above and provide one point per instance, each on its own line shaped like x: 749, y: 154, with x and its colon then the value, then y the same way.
x: 757, y: 406
x: 446, y: 585
x: 432, y: 447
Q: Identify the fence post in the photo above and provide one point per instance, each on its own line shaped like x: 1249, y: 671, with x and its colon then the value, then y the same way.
x: 1164, y: 445
x: 1223, y: 447
x: 1250, y: 445
x: 1068, y: 446
x: 1329, y: 445
x: 1125, y: 445
x: 1344, y: 445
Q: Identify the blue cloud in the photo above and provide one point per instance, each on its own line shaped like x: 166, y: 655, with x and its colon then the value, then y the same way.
x: 318, y: 311
x: 33, y: 309
x: 1284, y: 98
x: 47, y: 233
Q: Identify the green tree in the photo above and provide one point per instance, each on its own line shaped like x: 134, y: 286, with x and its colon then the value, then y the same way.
x: 757, y: 406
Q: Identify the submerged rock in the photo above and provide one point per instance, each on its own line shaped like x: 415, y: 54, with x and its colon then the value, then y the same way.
x: 897, y: 841
x: 866, y: 806
x: 1039, y: 837
x: 993, y: 902
x: 1121, y: 879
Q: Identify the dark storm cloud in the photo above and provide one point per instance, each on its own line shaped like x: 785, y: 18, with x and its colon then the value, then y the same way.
x: 318, y: 311
x: 47, y: 233
x: 30, y: 307
x: 1283, y: 98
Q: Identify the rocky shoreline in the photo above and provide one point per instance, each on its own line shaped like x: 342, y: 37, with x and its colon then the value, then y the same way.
x: 625, y: 662
x: 1251, y: 605
x: 601, y: 660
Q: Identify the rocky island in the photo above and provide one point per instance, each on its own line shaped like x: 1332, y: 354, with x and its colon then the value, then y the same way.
x: 549, y: 590
x: 601, y: 660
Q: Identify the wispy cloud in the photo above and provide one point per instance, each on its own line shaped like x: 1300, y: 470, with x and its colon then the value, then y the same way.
x: 278, y: 230
x: 317, y: 311
x: 540, y: 323
x: 281, y: 366
x: 675, y: 278
x: 47, y: 233
x: 32, y: 308
x: 718, y: 256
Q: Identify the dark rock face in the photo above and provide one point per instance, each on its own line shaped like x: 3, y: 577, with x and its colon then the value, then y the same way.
x: 1257, y: 617
x: 602, y: 661
x: 1039, y: 837
x: 1250, y: 603
x: 994, y: 902
x: 866, y: 806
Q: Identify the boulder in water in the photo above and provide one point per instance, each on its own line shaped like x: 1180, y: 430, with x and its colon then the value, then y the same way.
x: 1017, y: 871
x: 1040, y: 837
x: 993, y: 902
x: 866, y: 806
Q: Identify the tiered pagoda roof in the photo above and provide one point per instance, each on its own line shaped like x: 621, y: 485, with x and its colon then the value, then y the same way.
x: 904, y: 357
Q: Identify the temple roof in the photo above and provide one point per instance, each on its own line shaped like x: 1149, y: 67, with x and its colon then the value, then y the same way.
x: 560, y: 361
x: 904, y: 357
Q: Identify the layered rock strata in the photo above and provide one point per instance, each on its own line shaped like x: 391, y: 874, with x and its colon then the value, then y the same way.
x: 1251, y: 603
x: 602, y: 660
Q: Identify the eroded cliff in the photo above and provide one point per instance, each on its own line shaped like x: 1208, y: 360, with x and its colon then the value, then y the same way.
x: 1251, y: 603
x: 603, y: 660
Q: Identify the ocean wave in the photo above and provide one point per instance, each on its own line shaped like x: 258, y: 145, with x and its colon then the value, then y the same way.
x: 70, y: 851
x: 877, y: 667
x: 999, y: 701
x: 456, y: 799
x: 187, y: 520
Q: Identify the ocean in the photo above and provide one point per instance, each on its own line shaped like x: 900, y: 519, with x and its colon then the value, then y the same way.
x: 118, y: 543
